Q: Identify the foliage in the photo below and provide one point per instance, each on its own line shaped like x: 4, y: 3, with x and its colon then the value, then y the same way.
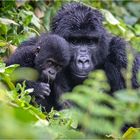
x: 16, y: 111
x: 16, y: 25
x: 100, y: 114
x: 96, y: 114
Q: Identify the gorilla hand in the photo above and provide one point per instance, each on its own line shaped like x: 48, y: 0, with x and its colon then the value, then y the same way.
x: 41, y: 90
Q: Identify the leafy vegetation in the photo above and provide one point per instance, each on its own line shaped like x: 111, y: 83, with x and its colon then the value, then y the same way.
x: 96, y: 115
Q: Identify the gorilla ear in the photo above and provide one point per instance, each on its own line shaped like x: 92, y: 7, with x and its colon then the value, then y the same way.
x: 37, y: 50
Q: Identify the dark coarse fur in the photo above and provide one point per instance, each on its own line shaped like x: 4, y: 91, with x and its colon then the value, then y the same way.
x: 135, y: 71
x: 30, y: 42
x: 23, y: 56
x: 36, y: 56
x: 51, y: 46
x: 76, y: 22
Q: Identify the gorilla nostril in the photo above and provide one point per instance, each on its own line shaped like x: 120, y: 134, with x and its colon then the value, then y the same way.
x: 83, y: 61
x: 51, y: 72
x: 87, y: 61
x: 80, y: 61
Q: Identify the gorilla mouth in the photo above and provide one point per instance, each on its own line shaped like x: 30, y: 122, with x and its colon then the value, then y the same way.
x: 81, y: 75
x: 80, y: 72
x: 51, y: 78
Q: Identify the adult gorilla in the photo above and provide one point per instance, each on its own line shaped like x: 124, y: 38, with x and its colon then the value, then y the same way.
x: 82, y: 27
x: 92, y: 47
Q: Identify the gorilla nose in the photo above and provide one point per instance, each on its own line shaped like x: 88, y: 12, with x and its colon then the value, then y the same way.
x: 83, y: 60
x: 83, y: 63
x: 51, y: 72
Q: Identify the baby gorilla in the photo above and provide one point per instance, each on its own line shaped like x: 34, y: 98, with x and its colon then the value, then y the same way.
x: 48, y: 55
x: 52, y: 57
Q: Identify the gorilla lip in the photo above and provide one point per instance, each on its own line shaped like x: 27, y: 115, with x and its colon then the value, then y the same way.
x: 80, y: 75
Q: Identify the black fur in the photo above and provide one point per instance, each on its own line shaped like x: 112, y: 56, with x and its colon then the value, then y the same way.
x: 91, y: 47
x: 31, y: 42
x: 78, y: 23
x: 38, y: 55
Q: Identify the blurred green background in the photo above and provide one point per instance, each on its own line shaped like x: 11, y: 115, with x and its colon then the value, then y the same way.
x: 99, y: 115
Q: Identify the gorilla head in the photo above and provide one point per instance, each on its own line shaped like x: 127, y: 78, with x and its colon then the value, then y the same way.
x: 82, y: 27
x: 52, y: 56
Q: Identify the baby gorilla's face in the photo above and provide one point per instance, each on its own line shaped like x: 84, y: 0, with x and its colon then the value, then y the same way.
x: 50, y: 69
x: 52, y: 56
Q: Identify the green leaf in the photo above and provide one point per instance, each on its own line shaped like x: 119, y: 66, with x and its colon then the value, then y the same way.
x: 11, y: 68
x: 109, y: 17
x: 26, y: 118
x: 7, y: 21
x: 130, y: 133
x: 3, y: 28
x: 3, y: 43
x: 27, y: 98
x: 2, y: 50
x: 25, y: 73
x: 2, y: 67
x: 127, y: 96
x: 121, y: 28
x: 134, y: 8
x: 36, y: 22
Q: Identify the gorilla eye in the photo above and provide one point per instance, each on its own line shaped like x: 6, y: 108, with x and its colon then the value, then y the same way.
x: 92, y: 41
x: 95, y: 40
x: 73, y: 40
x: 58, y: 67
x: 49, y: 62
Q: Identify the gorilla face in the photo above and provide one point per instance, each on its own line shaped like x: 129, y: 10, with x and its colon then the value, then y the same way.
x: 50, y: 69
x: 52, y: 57
x: 87, y: 50
x: 82, y: 61
x: 82, y: 27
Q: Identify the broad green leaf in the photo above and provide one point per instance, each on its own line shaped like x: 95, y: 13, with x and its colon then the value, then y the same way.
x: 3, y: 43
x: 24, y: 115
x: 134, y: 8
x: 121, y: 28
x: 109, y: 17
x: 2, y: 51
x: 35, y: 21
x: 11, y: 68
x: 42, y: 123
x: 130, y: 133
x: 127, y: 96
x: 7, y: 21
x: 2, y: 67
x: 25, y: 73
x: 3, y: 28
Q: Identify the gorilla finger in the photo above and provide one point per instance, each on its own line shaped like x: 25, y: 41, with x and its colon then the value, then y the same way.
x: 47, y: 89
x: 46, y: 93
x: 41, y: 96
x: 48, y: 85
x: 45, y: 85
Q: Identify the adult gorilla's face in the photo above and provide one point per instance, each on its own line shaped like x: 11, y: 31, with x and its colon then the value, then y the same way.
x: 82, y: 27
x: 82, y: 60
